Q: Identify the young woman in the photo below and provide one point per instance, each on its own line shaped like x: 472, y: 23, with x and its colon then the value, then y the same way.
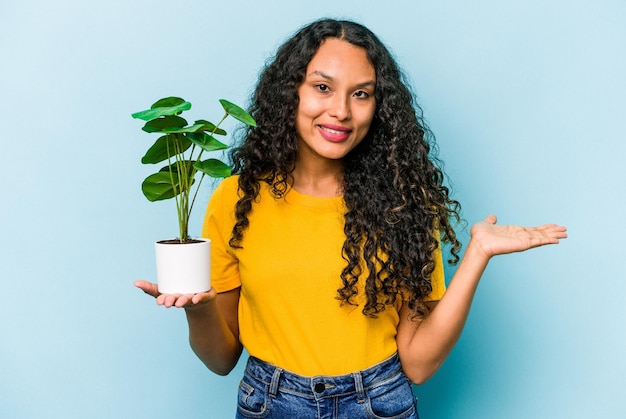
x: 326, y: 244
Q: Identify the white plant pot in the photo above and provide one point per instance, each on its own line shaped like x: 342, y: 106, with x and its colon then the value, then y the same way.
x: 183, y: 268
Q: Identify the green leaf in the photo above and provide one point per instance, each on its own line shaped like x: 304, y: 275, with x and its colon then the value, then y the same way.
x: 183, y: 166
x: 213, y: 168
x: 167, y: 102
x: 206, y: 142
x: 164, y: 107
x: 181, y: 130
x: 159, y: 150
x: 238, y: 113
x: 210, y: 127
x: 158, y: 186
x: 166, y: 122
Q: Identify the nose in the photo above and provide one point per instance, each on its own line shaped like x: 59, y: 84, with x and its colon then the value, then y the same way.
x: 340, y: 107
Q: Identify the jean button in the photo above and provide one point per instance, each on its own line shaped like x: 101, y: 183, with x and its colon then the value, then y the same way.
x: 319, y: 387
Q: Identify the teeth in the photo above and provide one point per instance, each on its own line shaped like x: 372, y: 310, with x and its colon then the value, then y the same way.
x: 333, y: 131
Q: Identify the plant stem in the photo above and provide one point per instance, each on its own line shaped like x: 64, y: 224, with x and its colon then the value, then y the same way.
x: 193, y: 200
x: 169, y: 162
x: 183, y: 194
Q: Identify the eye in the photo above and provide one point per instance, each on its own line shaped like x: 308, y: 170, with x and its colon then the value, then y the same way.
x: 361, y: 94
x: 322, y: 87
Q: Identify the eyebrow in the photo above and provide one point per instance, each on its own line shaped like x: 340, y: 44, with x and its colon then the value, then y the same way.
x: 331, y: 78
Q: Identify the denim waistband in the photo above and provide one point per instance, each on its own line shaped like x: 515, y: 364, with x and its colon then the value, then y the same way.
x: 280, y: 380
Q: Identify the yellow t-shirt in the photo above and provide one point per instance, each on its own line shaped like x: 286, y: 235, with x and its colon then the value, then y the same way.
x: 289, y: 271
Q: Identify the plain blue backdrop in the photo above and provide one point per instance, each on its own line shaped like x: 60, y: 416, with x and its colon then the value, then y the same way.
x: 526, y: 99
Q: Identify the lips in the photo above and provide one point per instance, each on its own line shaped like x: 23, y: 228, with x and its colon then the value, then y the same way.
x: 334, y: 133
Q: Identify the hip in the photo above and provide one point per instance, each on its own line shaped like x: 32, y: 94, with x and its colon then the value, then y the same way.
x: 380, y: 391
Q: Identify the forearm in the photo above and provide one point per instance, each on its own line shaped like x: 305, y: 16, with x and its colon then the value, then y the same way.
x: 425, y: 345
x: 211, y: 338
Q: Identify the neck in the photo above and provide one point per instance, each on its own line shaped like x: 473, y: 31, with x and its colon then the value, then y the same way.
x: 321, y: 180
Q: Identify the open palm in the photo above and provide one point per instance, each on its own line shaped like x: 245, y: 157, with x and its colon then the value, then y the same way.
x: 501, y: 239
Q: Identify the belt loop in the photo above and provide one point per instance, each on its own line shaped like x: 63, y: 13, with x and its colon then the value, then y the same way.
x: 274, y: 382
x: 358, y: 382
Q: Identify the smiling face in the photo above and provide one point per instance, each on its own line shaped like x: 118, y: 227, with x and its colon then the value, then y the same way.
x: 336, y: 102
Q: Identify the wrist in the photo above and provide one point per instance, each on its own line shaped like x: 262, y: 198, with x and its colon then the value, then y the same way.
x: 476, y: 252
x: 200, y: 308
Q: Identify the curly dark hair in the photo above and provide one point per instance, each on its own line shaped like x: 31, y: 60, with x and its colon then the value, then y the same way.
x: 393, y: 184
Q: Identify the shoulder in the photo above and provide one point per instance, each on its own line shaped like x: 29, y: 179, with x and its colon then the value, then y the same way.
x: 226, y: 190
x: 228, y: 185
x: 223, y: 198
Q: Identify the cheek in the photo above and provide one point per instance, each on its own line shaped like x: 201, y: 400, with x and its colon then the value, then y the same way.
x: 303, y: 121
x: 307, y: 109
x: 366, y: 119
x: 301, y: 115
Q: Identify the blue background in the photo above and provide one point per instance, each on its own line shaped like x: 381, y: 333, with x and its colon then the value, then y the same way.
x: 526, y: 99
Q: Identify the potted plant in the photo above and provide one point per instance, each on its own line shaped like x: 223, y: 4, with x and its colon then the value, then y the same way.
x: 183, y: 264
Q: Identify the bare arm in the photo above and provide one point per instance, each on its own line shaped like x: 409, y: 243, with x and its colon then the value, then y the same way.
x: 213, y: 324
x: 423, y: 345
x: 214, y: 331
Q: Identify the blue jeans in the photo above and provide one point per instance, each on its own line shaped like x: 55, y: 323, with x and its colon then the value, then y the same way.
x: 381, y: 391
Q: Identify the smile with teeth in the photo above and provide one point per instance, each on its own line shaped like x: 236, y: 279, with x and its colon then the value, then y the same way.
x: 334, y: 131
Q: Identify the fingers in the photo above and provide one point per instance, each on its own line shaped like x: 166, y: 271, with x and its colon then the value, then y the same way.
x: 204, y: 296
x: 546, y: 234
x: 557, y: 232
x: 176, y: 300
x: 497, y: 239
x: 188, y: 301
x: 173, y: 300
x: 491, y: 219
x: 147, y: 287
x: 552, y: 230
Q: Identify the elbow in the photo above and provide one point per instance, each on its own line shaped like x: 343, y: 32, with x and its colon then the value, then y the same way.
x: 420, y: 374
x: 219, y: 363
x: 222, y: 368
x: 222, y: 371
x: 419, y: 378
x: 420, y: 366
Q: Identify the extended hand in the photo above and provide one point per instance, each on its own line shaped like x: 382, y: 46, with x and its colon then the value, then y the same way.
x: 496, y: 239
x: 188, y: 301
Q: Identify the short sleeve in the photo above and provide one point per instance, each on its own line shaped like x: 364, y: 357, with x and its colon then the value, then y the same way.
x: 217, y: 226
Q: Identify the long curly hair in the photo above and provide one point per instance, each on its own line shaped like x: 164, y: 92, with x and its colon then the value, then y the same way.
x: 398, y: 207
